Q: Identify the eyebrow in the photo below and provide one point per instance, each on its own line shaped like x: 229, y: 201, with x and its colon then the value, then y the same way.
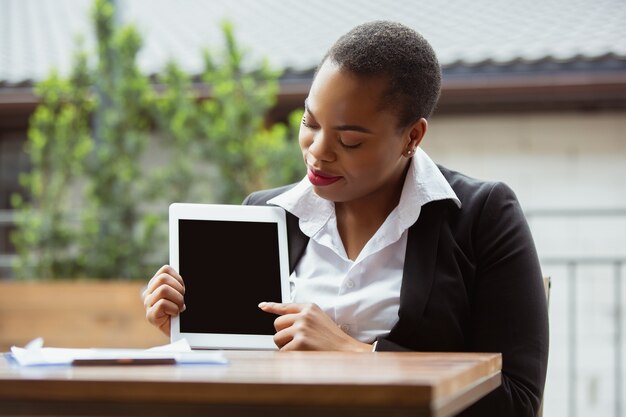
x: 343, y: 128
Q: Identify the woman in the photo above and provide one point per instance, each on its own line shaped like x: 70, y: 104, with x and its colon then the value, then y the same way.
x: 388, y: 251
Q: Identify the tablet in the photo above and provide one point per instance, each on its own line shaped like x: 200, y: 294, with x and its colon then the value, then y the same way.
x: 231, y: 258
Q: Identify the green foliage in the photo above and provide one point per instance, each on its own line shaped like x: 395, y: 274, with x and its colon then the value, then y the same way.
x: 113, y: 231
x: 59, y: 139
x: 247, y: 149
x: 97, y: 198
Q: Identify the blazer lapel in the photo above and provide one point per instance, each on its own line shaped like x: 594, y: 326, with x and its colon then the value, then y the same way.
x: 419, y: 272
x: 419, y: 267
x: 297, y: 241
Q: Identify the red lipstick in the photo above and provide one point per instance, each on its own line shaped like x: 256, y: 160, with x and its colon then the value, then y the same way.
x: 320, y: 178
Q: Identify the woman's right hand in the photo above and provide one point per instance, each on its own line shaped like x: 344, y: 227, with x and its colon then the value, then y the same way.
x: 163, y: 298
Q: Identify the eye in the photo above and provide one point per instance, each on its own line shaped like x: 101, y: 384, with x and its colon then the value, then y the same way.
x: 345, y: 145
x: 305, y: 123
x: 310, y: 125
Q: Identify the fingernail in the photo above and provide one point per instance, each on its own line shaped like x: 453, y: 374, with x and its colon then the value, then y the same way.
x: 184, y: 308
x: 262, y: 304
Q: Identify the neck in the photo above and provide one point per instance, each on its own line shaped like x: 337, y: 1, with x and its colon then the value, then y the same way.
x: 374, y: 207
x: 358, y: 221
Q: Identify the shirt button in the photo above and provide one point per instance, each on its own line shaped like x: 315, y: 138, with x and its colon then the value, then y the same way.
x: 349, y: 284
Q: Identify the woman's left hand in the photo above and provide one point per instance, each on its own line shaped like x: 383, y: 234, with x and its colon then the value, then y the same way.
x: 307, y: 327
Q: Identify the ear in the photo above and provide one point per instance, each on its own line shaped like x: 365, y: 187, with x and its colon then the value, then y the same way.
x: 416, y: 133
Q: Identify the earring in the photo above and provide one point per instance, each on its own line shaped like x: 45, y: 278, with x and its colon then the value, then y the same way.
x: 409, y: 152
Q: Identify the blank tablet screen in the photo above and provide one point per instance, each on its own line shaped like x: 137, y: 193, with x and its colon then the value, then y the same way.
x: 229, y: 267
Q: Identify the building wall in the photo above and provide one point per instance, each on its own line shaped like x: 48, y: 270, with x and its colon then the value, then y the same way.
x: 550, y: 159
x: 568, y: 170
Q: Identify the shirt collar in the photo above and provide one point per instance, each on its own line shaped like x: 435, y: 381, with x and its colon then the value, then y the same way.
x: 312, y: 210
x: 424, y: 183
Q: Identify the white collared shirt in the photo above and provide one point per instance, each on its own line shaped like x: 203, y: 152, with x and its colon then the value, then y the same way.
x: 361, y: 296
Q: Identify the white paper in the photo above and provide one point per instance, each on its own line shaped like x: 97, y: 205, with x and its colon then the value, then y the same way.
x: 34, y: 354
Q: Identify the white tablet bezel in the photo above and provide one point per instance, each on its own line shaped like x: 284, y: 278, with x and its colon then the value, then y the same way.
x: 267, y: 214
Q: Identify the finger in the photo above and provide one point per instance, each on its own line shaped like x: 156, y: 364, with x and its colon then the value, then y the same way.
x: 161, y: 320
x: 283, y: 338
x: 161, y: 280
x: 164, y: 272
x: 281, y: 308
x: 285, y: 321
x: 169, y: 271
x: 168, y: 294
x: 162, y: 310
x: 165, y: 292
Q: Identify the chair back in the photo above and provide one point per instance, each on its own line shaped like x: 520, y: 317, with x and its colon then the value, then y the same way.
x: 547, y: 284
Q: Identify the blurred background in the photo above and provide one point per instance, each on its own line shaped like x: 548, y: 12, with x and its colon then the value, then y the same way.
x: 111, y: 110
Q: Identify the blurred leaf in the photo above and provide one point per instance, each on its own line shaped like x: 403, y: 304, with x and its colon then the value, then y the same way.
x: 89, y: 145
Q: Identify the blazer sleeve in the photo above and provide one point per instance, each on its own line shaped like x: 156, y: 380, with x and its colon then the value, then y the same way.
x: 508, y: 305
x: 509, y: 311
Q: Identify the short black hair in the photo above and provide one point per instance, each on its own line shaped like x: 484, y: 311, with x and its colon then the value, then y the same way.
x: 399, y: 53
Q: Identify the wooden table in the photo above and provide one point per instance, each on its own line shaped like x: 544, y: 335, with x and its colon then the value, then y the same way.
x: 258, y: 383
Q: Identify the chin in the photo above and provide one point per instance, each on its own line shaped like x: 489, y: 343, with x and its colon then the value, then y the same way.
x: 324, y: 193
x: 334, y: 196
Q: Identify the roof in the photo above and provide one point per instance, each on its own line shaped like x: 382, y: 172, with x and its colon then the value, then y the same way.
x: 492, y: 35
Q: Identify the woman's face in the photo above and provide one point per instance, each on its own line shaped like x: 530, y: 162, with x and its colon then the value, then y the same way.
x: 352, y: 146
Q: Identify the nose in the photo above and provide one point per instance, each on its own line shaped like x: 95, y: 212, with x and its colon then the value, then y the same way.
x: 322, y: 146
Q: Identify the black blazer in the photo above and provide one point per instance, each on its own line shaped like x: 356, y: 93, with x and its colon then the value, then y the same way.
x: 471, y: 283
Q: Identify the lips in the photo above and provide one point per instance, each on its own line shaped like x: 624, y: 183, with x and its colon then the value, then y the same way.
x: 320, y: 178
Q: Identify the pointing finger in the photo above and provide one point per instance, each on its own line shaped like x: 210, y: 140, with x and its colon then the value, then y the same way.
x: 280, y: 308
